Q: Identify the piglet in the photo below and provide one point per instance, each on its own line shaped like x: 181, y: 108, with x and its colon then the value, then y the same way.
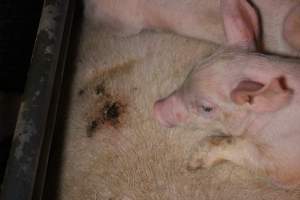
x: 199, y: 19
x: 192, y: 18
x: 249, y: 101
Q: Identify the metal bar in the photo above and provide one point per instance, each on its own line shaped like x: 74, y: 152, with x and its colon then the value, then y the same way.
x: 27, y: 164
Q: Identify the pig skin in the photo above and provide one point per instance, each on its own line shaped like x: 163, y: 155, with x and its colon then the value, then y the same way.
x: 139, y: 160
x: 199, y: 19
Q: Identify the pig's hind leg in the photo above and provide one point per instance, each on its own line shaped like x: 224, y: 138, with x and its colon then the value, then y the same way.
x: 215, y: 149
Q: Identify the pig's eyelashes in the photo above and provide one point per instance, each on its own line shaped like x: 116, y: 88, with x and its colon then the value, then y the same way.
x: 207, y: 111
x: 206, y: 108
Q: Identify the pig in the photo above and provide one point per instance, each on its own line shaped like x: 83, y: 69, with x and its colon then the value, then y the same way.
x: 108, y: 145
x: 198, y: 19
x: 249, y: 101
x: 129, y: 17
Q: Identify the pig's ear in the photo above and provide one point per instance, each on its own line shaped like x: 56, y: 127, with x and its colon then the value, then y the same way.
x: 263, y: 98
x: 241, y: 23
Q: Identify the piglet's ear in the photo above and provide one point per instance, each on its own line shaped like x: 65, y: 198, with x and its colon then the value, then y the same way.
x: 241, y: 23
x: 263, y: 98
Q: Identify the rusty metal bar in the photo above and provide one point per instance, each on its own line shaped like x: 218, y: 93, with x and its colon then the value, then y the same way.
x: 27, y: 164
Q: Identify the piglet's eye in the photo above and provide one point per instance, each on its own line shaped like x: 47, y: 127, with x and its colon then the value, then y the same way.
x: 206, y: 108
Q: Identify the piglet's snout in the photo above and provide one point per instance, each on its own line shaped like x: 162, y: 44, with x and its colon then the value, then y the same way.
x: 162, y: 114
x: 169, y: 111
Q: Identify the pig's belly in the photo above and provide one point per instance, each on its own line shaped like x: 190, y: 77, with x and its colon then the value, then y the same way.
x: 115, y: 150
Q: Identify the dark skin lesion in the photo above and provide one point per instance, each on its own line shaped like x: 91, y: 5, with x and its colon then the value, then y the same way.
x: 91, y: 128
x: 109, y: 116
x: 111, y: 112
x: 107, y: 111
x: 100, y: 90
x: 80, y: 92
